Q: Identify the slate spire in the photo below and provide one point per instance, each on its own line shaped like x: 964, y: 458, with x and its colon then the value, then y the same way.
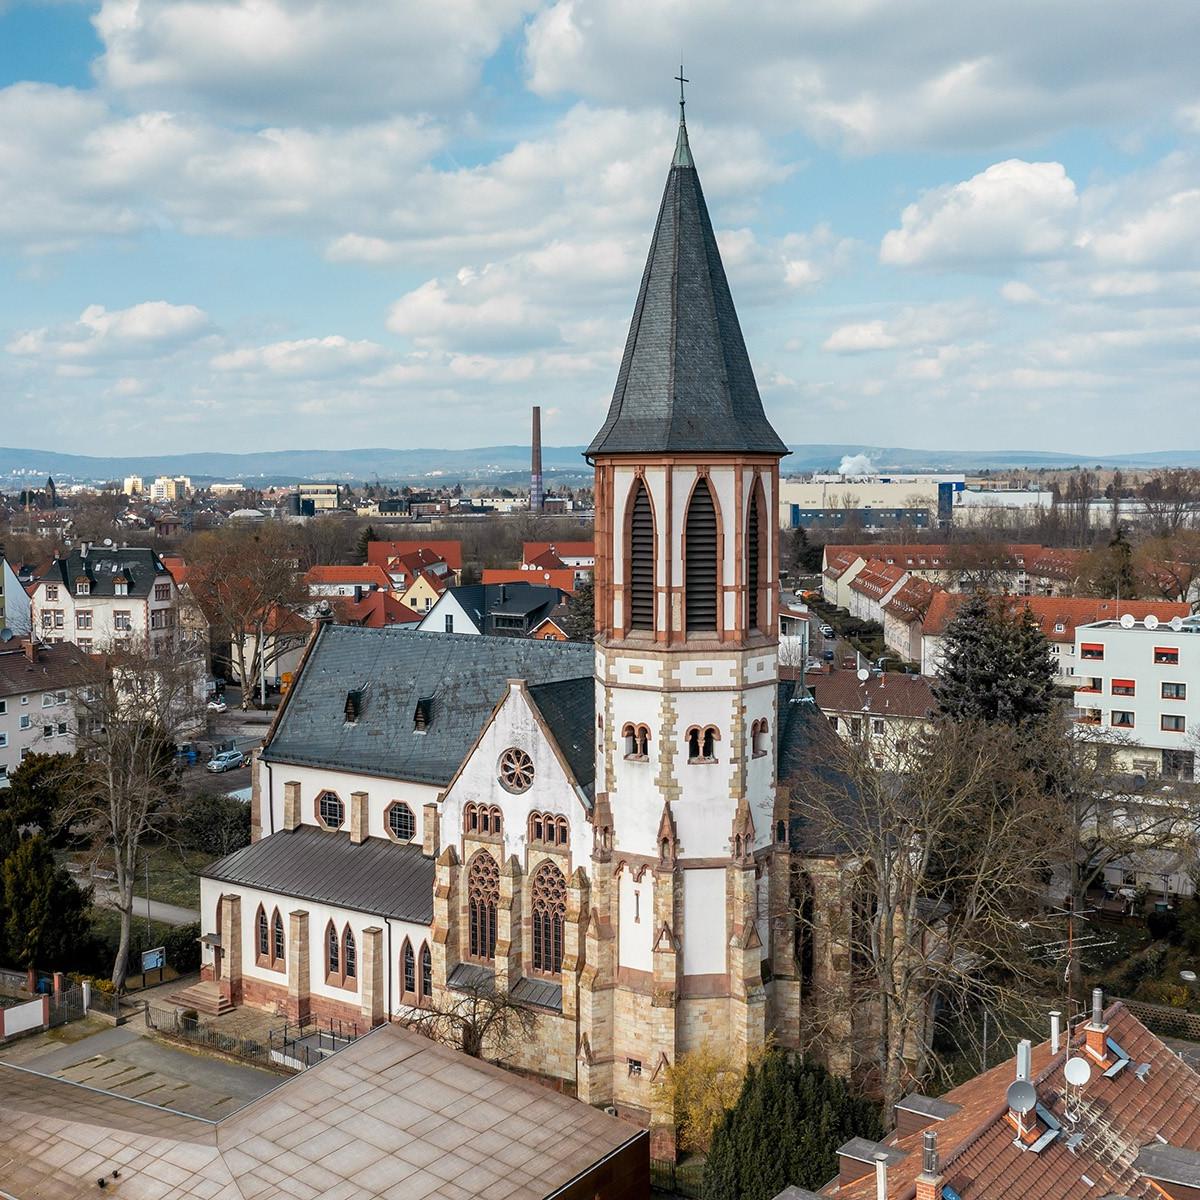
x: 685, y: 383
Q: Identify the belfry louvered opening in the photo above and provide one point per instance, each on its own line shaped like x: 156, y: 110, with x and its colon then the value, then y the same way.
x: 641, y: 561
x: 754, y: 554
x: 700, y: 560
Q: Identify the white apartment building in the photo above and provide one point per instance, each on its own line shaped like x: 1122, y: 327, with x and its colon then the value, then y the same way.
x: 1140, y: 691
x: 133, y: 485
x: 37, y: 684
x: 107, y: 597
x: 170, y: 488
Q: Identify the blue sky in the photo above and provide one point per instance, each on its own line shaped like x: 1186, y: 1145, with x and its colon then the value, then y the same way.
x: 243, y: 224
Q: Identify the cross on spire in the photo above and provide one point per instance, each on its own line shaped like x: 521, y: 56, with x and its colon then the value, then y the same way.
x: 683, y: 152
x: 682, y: 80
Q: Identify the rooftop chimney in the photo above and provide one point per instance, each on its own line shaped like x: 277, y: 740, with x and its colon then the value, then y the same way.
x: 1024, y: 1058
x: 929, y: 1182
x: 535, y: 477
x: 1055, y: 1032
x: 29, y: 646
x: 881, y: 1164
x: 1097, y: 1031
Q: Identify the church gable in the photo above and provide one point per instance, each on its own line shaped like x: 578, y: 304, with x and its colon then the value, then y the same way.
x: 525, y: 769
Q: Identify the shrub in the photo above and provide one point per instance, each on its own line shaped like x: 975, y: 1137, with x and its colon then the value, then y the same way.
x: 183, y: 949
x: 1164, y: 927
x: 216, y: 825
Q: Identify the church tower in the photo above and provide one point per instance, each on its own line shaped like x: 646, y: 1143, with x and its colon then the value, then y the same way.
x: 687, y: 478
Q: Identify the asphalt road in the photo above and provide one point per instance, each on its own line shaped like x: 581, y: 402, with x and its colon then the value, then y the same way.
x: 168, y: 914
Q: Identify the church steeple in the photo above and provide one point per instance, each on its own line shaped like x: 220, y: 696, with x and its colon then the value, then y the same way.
x: 685, y: 383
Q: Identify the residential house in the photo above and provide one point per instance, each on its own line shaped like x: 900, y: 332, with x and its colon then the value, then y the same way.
x: 194, y: 629
x: 403, y: 561
x: 107, y: 597
x: 887, y: 710
x: 840, y: 566
x: 1110, y: 1112
x: 352, y: 581
x: 14, y: 601
x: 902, y: 617
x: 424, y: 589
x: 503, y: 609
x: 1138, y: 692
x: 794, y: 634
x: 553, y: 556
x: 548, y: 629
x: 563, y: 578
x: 375, y: 610
x: 872, y: 587
x: 38, y: 683
x: 284, y: 635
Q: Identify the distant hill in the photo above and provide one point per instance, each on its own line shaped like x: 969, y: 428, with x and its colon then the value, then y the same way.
x: 492, y: 462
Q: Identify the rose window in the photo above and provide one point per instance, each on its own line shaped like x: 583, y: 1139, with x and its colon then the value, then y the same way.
x: 516, y: 770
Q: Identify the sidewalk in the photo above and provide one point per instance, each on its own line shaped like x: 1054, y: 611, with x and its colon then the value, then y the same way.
x: 168, y: 914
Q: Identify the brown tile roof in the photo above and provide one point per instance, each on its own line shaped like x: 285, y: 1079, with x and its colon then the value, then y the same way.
x: 838, y: 561
x: 547, y: 560
x: 416, y: 1114
x: 563, y: 578
x: 1052, y: 611
x: 877, y: 578
x: 891, y: 694
x: 1117, y: 1117
x: 532, y: 550
x: 62, y: 665
x: 374, y: 611
x: 1046, y: 561
x: 911, y: 599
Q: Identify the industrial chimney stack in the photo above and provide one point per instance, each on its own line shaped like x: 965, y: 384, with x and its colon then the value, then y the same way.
x: 535, y: 476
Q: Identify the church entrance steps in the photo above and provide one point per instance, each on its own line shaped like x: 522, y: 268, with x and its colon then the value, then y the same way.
x: 204, y: 998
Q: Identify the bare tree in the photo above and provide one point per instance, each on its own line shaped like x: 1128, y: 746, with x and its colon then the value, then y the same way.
x: 123, y: 784
x: 247, y: 583
x: 1170, y: 566
x: 476, y: 1019
x: 981, y: 564
x: 942, y: 872
x: 1171, y: 501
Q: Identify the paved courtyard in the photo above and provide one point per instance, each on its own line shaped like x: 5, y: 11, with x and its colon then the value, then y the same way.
x: 126, y: 1061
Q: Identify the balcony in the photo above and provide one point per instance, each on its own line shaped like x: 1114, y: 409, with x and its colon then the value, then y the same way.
x: 1089, y: 716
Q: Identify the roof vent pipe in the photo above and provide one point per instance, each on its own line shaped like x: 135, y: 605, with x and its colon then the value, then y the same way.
x: 1024, y: 1058
x: 1097, y: 1007
x: 1055, y: 1032
x: 929, y: 1153
x: 881, y: 1164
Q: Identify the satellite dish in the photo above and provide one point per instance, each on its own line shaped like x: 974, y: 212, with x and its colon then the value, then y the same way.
x: 863, y: 674
x: 1127, y: 621
x: 1176, y: 623
x: 1021, y: 1096
x: 1151, y: 622
x: 1078, y: 1071
x: 108, y: 541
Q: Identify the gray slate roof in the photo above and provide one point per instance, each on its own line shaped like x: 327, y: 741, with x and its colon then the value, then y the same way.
x: 465, y: 675
x: 326, y: 867
x: 685, y: 382
x: 480, y: 601
x: 139, y: 566
x: 569, y: 708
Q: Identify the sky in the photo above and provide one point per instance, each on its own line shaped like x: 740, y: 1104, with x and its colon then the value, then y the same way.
x: 286, y: 224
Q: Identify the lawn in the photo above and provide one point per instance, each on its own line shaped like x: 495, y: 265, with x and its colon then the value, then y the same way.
x: 174, y: 874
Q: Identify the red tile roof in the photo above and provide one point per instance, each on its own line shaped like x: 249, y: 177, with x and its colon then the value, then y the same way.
x: 374, y: 611
x: 911, y: 599
x: 1117, y: 1117
x: 367, y: 574
x: 563, y: 577
x: 1052, y: 611
x: 531, y: 550
x: 839, y: 560
x: 1046, y: 561
x: 447, y: 551
x: 547, y: 561
x: 887, y: 695
x: 876, y: 579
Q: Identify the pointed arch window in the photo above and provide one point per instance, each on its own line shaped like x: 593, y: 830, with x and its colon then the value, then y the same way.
x: 549, y: 911
x: 641, y: 559
x: 409, y: 969
x: 333, y: 955
x: 426, y: 973
x: 483, y: 899
x: 700, y: 560
x: 805, y: 933
x: 349, y: 955
x: 756, y: 560
x: 277, y: 939
x: 262, y: 934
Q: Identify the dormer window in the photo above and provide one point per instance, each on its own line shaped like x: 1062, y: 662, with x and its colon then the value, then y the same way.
x: 423, y: 714
x: 120, y: 587
x: 83, y: 586
x: 353, y: 709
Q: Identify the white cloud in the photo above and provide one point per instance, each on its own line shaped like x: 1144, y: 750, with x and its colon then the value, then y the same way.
x: 308, y: 357
x: 1013, y: 210
x: 276, y: 61
x: 926, y: 325
x: 876, y: 74
x: 1166, y: 234
x: 154, y: 327
x: 1017, y: 292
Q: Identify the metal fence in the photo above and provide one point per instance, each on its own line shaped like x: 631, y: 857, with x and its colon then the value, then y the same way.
x: 300, y: 1046
x: 189, y: 1029
x: 66, y: 1006
x: 108, y: 1003
x: 677, y: 1179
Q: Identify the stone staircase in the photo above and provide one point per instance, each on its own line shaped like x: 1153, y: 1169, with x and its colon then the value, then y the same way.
x: 204, y: 998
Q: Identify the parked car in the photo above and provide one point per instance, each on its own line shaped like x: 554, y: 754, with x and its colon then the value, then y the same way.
x: 827, y: 655
x: 217, y: 706
x: 827, y: 631
x: 227, y: 760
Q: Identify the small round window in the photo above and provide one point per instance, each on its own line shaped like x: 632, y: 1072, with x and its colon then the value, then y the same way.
x: 516, y: 770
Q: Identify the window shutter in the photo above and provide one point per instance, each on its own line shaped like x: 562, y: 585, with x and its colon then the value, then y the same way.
x: 641, y: 562
x: 700, y: 565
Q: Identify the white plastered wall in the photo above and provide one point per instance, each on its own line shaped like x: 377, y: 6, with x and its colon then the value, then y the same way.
x: 635, y: 924
x: 704, y: 941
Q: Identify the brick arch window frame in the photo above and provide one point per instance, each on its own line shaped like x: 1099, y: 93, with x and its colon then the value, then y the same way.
x: 758, y: 528
x: 641, y: 559
x: 482, y: 820
x: 408, y: 974
x: 483, y: 904
x: 278, y: 941
x: 331, y: 950
x: 637, y: 741
x: 549, y: 829
x: 394, y: 809
x: 349, y: 957
x: 702, y: 553
x: 758, y: 737
x: 326, y: 798
x: 548, y: 916
x: 702, y: 742
x: 262, y: 937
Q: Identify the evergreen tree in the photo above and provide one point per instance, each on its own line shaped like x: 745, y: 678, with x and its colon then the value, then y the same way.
x: 996, y: 665
x: 580, y: 622
x: 1110, y: 572
x: 367, y: 534
x: 784, y: 1129
x: 33, y: 790
x: 45, y: 910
